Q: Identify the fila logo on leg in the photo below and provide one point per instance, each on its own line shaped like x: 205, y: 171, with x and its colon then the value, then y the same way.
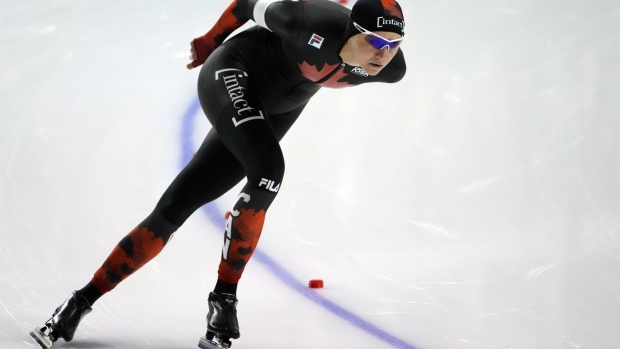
x: 269, y: 185
x: 316, y: 41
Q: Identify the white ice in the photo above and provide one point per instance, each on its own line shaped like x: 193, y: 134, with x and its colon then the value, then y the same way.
x: 473, y: 205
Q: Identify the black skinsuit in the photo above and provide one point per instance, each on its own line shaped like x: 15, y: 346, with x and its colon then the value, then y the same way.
x: 252, y: 88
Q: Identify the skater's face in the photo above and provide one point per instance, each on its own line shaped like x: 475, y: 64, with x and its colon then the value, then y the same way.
x: 372, y: 51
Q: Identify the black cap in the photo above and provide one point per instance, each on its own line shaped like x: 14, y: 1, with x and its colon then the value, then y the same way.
x: 379, y: 15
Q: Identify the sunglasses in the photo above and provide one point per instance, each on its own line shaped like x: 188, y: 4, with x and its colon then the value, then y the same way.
x: 377, y: 41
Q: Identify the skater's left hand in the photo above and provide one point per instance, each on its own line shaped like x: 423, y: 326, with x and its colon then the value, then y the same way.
x: 201, y: 48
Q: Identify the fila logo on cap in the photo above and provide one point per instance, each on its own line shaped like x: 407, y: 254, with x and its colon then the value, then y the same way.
x: 316, y: 41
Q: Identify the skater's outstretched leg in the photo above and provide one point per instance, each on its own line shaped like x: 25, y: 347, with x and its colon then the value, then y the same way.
x: 136, y: 249
x: 132, y: 252
x: 210, y: 173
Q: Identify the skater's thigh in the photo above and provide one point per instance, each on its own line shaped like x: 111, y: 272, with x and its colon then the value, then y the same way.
x: 232, y: 102
x: 211, y: 172
x: 214, y: 169
x: 227, y: 89
x: 281, y: 123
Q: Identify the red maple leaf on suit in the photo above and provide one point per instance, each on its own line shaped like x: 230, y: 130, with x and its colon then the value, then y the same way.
x: 311, y: 73
x: 333, y: 80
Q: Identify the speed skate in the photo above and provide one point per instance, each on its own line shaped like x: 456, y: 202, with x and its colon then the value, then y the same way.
x: 43, y: 337
x: 222, y: 324
x: 214, y: 341
x: 63, y: 323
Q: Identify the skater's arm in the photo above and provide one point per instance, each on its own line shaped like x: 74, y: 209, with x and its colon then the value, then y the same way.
x: 282, y: 17
x: 235, y: 15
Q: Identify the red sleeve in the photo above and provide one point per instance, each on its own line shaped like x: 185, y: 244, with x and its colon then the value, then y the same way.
x: 233, y: 17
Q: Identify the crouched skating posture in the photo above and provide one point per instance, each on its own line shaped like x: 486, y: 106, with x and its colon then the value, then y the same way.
x: 252, y: 88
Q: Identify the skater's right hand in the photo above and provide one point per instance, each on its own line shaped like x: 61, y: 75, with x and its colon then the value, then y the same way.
x: 201, y: 48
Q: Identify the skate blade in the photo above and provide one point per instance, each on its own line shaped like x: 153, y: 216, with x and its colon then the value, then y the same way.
x: 41, y: 338
x: 211, y: 344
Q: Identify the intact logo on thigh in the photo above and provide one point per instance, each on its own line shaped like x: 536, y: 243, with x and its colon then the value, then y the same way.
x: 231, y: 78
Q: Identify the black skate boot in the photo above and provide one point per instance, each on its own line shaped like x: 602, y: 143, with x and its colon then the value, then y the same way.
x: 63, y: 323
x: 222, y: 324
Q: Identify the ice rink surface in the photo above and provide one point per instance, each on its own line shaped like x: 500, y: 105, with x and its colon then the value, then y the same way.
x: 474, y: 205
